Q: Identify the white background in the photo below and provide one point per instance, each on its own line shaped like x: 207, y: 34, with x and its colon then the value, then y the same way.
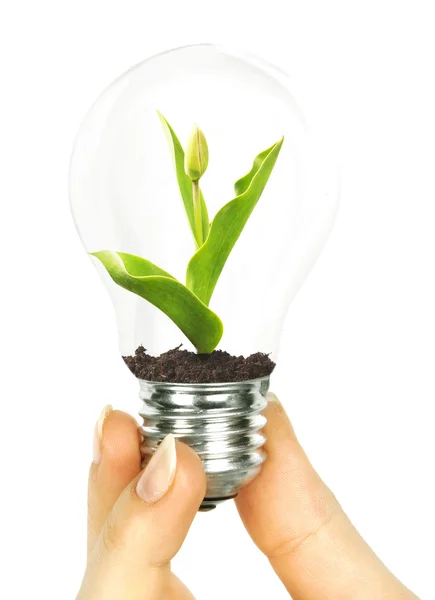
x: 356, y: 369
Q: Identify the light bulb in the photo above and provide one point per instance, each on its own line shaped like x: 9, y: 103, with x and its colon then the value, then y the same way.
x: 125, y: 198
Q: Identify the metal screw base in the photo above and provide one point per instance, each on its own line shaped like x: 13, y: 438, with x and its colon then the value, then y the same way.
x: 220, y: 421
x: 209, y: 504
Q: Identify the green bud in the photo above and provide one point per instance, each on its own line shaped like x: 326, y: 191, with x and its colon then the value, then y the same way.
x: 196, y: 157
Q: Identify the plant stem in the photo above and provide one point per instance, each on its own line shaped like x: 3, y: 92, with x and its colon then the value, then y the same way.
x: 197, y: 216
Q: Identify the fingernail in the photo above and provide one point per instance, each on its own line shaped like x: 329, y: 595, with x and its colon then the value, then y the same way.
x: 160, y: 472
x: 98, y: 433
x: 271, y: 397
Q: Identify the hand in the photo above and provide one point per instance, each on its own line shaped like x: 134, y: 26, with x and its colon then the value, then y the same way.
x: 139, y: 519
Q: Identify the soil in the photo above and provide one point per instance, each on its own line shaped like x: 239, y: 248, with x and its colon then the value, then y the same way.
x: 182, y: 366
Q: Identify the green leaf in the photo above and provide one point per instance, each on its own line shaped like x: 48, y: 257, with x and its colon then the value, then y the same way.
x: 206, y: 265
x: 244, y: 182
x: 198, y: 323
x: 204, y: 216
x: 184, y: 182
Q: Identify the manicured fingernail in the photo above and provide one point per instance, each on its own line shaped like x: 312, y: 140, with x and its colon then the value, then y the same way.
x: 271, y: 397
x: 98, y: 433
x: 160, y: 472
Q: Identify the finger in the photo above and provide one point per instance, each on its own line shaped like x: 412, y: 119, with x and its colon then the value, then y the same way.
x: 117, y: 461
x: 176, y: 590
x: 296, y: 521
x: 146, y: 528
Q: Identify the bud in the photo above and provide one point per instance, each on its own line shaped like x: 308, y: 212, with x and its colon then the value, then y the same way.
x: 196, y: 158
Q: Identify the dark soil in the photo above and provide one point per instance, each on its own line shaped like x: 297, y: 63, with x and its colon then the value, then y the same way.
x: 182, y: 366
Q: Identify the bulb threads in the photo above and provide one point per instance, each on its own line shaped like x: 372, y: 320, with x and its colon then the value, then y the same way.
x: 222, y: 422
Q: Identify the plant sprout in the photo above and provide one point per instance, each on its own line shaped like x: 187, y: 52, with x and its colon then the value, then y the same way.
x: 188, y: 305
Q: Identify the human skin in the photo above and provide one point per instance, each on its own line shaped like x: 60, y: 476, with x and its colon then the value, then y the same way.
x: 138, y: 520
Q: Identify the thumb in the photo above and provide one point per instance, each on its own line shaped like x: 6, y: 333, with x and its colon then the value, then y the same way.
x: 146, y: 528
x: 298, y: 524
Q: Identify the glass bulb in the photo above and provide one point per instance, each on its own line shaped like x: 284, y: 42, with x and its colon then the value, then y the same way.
x: 125, y: 198
x: 226, y: 109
